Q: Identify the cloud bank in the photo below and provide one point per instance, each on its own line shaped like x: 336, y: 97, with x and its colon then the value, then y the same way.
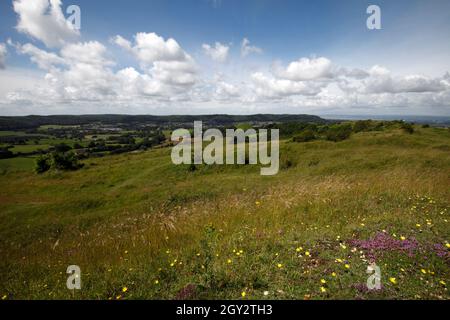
x: 80, y: 77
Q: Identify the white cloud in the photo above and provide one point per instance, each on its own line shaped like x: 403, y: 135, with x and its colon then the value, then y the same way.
x: 247, y: 49
x: 150, y: 48
x: 45, y: 60
x: 306, y: 69
x: 164, y: 61
x: 218, y: 53
x: 3, y: 52
x: 275, y: 88
x: 91, y: 52
x: 44, y: 21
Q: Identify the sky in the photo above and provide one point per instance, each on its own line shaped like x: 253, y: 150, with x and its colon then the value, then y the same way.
x: 224, y: 56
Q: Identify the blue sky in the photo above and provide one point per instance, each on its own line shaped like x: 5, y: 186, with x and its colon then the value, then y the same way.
x: 401, y: 68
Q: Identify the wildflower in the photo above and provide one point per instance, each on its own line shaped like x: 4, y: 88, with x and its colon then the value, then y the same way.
x: 447, y: 245
x: 266, y: 293
x: 280, y: 265
x: 423, y: 271
x: 393, y: 280
x: 333, y: 274
x: 402, y: 238
x: 443, y: 283
x: 323, y: 289
x: 347, y: 266
x: 119, y: 297
x: 167, y: 251
x: 307, y: 253
x: 362, y: 225
x: 156, y: 281
x: 339, y: 260
x: 343, y: 246
x: 4, y: 297
x: 198, y: 254
x: 124, y: 289
x: 172, y: 264
x: 323, y: 281
x: 418, y: 225
x: 299, y: 249
x: 229, y: 261
x: 258, y: 203
x: 243, y: 294
x: 126, y: 251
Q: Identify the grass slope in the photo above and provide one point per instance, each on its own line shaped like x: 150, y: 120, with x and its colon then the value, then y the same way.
x: 140, y: 227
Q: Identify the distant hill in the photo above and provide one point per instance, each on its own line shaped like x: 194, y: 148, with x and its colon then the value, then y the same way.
x: 30, y: 122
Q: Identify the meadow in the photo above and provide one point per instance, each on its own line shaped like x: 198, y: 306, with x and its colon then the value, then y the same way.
x: 140, y: 227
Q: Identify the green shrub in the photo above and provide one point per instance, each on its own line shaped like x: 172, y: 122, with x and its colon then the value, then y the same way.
x: 305, y: 136
x: 58, y: 161
x: 362, y: 125
x: 64, y: 161
x: 42, y: 164
x: 407, y: 127
x: 339, y: 132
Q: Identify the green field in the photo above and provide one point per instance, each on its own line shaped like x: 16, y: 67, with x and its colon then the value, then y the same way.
x: 140, y: 227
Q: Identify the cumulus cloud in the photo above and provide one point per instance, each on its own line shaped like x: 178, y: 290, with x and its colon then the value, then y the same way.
x: 218, y: 52
x: 44, y: 20
x: 306, y: 69
x: 272, y: 87
x: 44, y: 60
x: 163, y: 60
x: 247, y: 49
x: 3, y: 52
x: 381, y: 81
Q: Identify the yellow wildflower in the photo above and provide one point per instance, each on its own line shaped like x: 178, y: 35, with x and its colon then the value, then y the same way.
x: 124, y: 289
x: 393, y: 280
x: 323, y: 289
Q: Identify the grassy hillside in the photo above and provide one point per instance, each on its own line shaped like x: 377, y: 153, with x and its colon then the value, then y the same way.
x: 140, y: 227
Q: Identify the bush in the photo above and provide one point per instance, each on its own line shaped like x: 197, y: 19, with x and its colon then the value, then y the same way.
x: 362, y: 125
x: 65, y: 161
x: 407, y: 127
x: 42, y: 164
x: 305, y: 136
x: 425, y: 126
x: 5, y: 153
x: 62, y: 147
x: 58, y: 161
x: 339, y: 132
